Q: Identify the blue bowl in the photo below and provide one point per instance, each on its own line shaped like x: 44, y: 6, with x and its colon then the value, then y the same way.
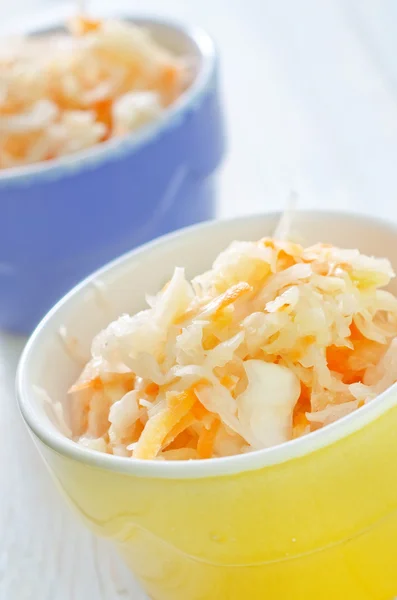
x: 61, y: 220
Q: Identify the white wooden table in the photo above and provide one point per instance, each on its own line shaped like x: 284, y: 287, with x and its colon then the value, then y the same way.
x: 311, y: 100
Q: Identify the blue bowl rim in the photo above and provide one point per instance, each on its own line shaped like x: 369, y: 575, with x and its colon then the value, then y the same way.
x: 116, y: 148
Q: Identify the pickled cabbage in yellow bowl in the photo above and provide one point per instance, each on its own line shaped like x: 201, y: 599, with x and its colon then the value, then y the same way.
x: 235, y: 436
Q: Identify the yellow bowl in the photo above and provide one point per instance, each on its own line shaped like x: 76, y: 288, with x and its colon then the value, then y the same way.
x: 312, y: 519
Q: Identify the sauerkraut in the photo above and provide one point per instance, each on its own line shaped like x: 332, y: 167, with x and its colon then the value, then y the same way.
x: 63, y: 93
x: 275, y: 341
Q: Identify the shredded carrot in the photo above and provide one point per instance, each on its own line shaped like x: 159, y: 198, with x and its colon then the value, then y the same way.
x: 291, y: 249
x: 193, y: 435
x: 82, y: 25
x: 228, y: 381
x: 124, y: 379
x: 183, y: 440
x: 179, y: 428
x: 152, y: 389
x: 284, y: 260
x: 217, y: 306
x: 224, y: 317
x: 235, y: 292
x: 210, y: 341
x: 268, y: 243
x: 337, y: 357
x: 159, y: 426
x: 305, y: 342
x: 168, y: 84
x: 304, y: 398
x: 144, y: 417
x: 18, y: 144
x: 302, y: 406
x: 205, y: 444
x: 352, y: 362
x: 93, y: 384
x: 355, y: 333
x: 103, y: 112
x: 300, y: 419
x: 137, y: 430
x: 199, y: 411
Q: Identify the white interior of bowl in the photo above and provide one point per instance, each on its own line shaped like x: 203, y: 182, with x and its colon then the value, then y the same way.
x: 48, y: 363
x: 193, y: 44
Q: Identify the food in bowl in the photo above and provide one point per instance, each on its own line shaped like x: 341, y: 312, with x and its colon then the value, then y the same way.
x: 275, y: 341
x: 62, y: 93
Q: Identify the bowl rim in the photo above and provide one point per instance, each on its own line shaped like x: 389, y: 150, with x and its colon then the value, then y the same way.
x: 207, y: 468
x: 113, y: 148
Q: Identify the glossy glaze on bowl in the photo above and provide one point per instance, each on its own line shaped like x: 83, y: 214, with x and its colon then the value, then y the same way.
x: 63, y: 219
x: 312, y: 519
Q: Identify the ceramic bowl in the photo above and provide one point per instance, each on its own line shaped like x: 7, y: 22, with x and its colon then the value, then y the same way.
x: 62, y: 219
x: 312, y: 518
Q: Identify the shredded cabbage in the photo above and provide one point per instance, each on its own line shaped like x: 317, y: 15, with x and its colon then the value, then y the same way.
x: 60, y: 94
x: 275, y: 341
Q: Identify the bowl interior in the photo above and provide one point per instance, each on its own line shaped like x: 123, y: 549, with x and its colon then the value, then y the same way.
x: 52, y: 360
